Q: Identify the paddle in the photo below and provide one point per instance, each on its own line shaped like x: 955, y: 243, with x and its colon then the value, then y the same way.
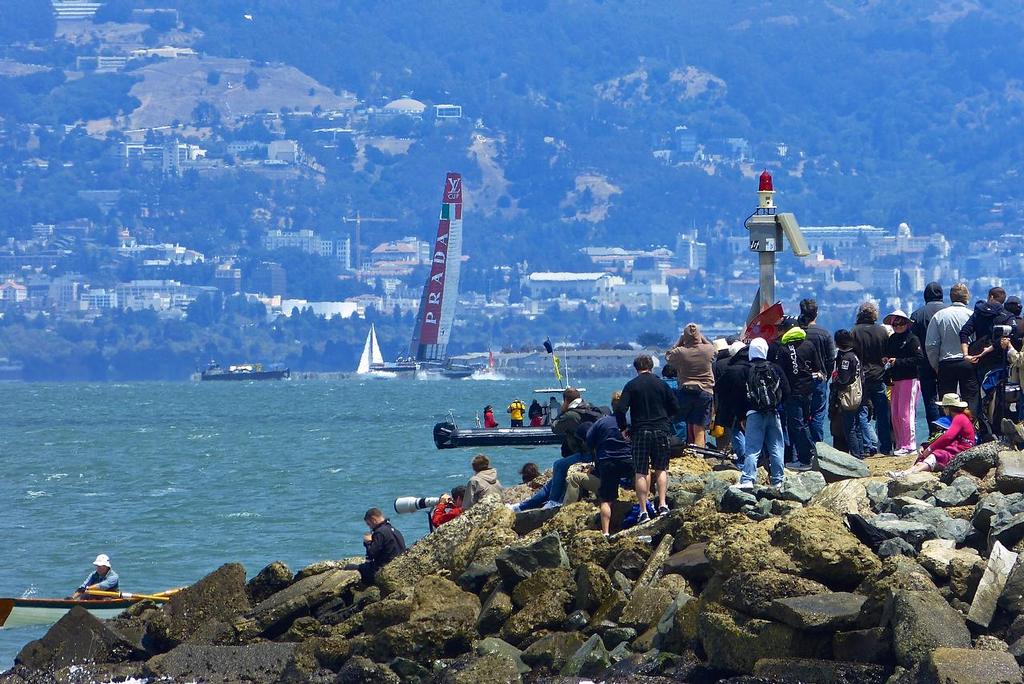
x: 118, y: 594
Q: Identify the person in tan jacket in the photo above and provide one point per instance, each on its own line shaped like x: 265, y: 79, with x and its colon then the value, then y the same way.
x: 692, y: 358
x: 483, y: 482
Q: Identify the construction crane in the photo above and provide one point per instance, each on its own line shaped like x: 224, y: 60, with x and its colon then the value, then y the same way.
x: 358, y: 220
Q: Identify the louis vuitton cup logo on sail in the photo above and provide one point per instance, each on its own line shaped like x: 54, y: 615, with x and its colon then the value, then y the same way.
x: 453, y: 188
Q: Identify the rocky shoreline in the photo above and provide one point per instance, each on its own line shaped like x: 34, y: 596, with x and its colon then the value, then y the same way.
x: 839, y: 575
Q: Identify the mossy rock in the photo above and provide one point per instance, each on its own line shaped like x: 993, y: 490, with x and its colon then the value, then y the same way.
x: 543, y: 581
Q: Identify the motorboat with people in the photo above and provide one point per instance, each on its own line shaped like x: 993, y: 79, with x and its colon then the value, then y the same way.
x: 448, y: 434
x: 26, y: 611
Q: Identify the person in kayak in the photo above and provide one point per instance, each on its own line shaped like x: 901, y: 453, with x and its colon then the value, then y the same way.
x: 103, y: 578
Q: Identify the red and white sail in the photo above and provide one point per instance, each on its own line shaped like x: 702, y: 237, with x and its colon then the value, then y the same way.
x: 437, y: 307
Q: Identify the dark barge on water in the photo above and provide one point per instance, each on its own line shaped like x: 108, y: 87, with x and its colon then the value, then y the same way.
x: 244, y: 371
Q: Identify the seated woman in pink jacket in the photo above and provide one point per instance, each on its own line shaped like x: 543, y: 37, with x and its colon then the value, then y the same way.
x: 959, y: 437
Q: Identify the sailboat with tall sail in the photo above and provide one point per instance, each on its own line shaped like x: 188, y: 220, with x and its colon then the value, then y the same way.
x: 372, y: 361
x: 436, y: 317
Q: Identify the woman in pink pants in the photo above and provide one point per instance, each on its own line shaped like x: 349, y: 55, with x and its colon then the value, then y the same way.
x: 903, y: 359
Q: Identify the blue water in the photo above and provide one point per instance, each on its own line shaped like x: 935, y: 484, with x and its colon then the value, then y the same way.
x: 173, y: 480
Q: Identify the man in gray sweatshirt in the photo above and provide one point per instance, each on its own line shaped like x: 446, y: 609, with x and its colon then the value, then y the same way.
x: 942, y: 345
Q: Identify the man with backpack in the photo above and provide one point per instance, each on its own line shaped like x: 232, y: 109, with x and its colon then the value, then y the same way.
x: 766, y: 388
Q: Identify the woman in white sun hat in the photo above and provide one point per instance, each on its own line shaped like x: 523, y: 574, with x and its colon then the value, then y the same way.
x: 959, y: 437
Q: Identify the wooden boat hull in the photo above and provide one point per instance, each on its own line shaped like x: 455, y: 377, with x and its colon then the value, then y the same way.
x: 449, y: 436
x: 22, y: 612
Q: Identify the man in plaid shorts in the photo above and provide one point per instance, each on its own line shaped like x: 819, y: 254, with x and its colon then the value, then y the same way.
x: 651, y: 405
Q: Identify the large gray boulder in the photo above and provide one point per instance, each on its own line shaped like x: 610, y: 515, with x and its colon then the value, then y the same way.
x: 452, y: 546
x: 77, y: 638
x: 442, y: 624
x: 801, y: 487
x: 817, y: 670
x: 845, y: 496
x: 819, y: 613
x: 590, y: 659
x: 1007, y: 528
x: 836, y: 465
x: 939, y: 520
x: 220, y: 597
x: 889, y: 525
x: 961, y: 492
x: 692, y: 563
x: 972, y: 666
x: 494, y: 645
x: 269, y: 581
x: 977, y: 461
x: 753, y: 593
x: 553, y: 650
x: 276, y: 613
x: 922, y: 621
x: 519, y: 562
x: 256, y: 663
x: 992, y: 505
x: 494, y: 668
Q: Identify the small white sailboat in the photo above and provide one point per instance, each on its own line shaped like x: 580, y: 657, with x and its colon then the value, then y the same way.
x: 372, y: 360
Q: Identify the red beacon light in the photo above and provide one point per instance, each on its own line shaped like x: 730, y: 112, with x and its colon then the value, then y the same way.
x: 765, y: 182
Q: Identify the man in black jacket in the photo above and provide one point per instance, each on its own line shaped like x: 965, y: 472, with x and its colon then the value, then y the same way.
x: 869, y: 344
x: 977, y: 343
x: 919, y: 321
x: 825, y: 348
x: 383, y: 544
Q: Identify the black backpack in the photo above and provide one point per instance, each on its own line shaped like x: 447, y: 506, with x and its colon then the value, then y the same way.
x: 764, y: 388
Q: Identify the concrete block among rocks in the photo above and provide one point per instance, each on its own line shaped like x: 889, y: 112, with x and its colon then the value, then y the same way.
x: 1010, y: 472
x: 1000, y: 563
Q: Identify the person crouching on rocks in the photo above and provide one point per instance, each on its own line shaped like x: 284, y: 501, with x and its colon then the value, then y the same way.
x: 613, y: 456
x: 383, y: 544
x: 448, y: 508
x: 959, y: 437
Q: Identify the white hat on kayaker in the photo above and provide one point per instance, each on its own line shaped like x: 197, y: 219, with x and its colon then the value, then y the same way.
x: 102, y: 559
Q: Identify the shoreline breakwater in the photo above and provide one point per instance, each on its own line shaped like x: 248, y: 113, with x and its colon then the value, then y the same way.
x: 841, y: 574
